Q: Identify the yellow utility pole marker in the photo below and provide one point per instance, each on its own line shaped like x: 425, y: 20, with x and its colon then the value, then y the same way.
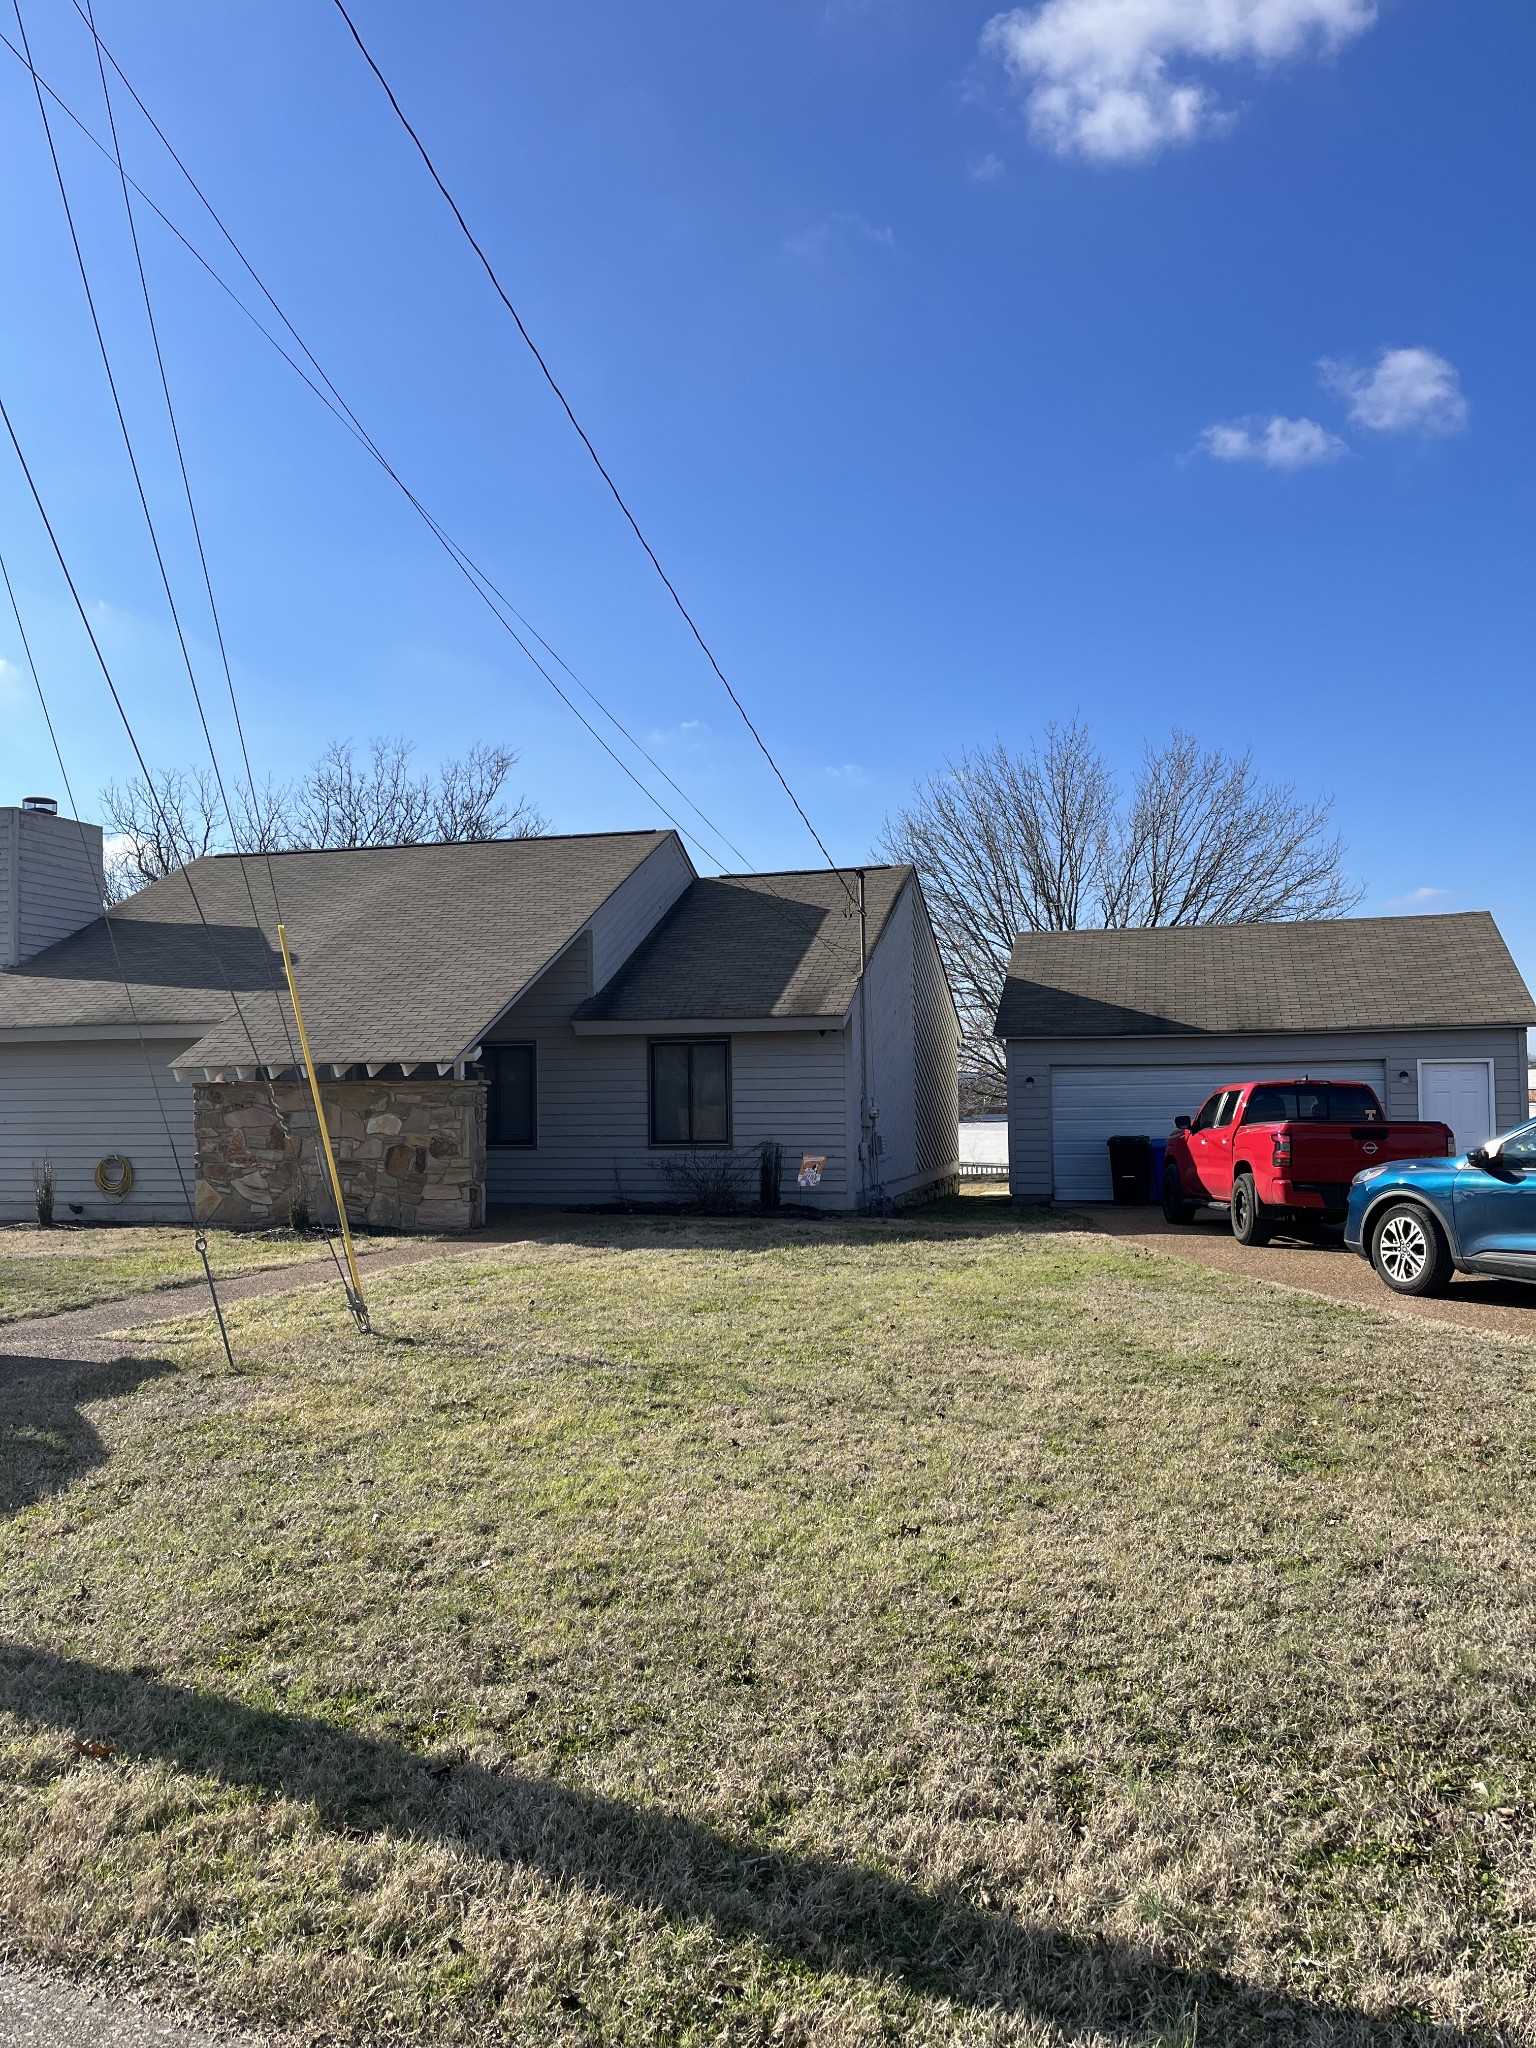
x: 355, y: 1300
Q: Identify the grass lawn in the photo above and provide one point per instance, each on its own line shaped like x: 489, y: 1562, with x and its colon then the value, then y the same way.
x: 952, y: 1630
x: 45, y: 1271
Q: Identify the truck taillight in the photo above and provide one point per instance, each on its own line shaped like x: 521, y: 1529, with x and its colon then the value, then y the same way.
x: 1450, y: 1144
x: 1283, y: 1149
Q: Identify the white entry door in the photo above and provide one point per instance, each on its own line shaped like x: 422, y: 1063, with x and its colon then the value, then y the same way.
x: 1458, y: 1093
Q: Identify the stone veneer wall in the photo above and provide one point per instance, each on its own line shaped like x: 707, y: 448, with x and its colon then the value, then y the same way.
x: 411, y: 1154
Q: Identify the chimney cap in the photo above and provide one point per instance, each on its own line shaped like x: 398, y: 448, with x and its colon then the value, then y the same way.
x: 47, y: 806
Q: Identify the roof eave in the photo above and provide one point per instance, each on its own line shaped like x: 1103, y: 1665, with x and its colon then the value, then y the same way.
x: 703, y: 1027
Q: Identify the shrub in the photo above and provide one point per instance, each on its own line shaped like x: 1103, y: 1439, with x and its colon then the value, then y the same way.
x: 42, y: 1192
x: 770, y: 1172
x: 711, y: 1181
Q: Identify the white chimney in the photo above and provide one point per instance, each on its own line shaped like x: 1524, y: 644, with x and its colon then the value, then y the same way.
x: 50, y: 877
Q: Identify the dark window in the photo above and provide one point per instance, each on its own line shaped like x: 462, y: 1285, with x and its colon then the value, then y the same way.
x: 1313, y: 1102
x: 1207, y: 1116
x: 1271, y: 1106
x: 1354, y: 1105
x: 1519, y: 1149
x: 690, y: 1092
x: 1228, y: 1107
x: 510, y: 1108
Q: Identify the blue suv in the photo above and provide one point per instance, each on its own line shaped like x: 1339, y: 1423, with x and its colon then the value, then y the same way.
x: 1420, y: 1220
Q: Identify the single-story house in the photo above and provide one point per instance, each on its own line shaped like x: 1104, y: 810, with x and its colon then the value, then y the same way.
x: 522, y: 1021
x: 1115, y: 1033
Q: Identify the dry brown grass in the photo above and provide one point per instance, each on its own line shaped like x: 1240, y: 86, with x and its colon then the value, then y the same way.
x: 692, y: 1633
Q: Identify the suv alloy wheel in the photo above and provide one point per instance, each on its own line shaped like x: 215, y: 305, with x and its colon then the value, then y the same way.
x: 1409, y: 1251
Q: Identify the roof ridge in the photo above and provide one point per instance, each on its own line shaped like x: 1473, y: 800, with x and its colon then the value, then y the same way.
x: 445, y: 845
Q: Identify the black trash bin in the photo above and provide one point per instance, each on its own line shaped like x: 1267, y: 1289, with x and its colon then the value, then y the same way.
x: 1130, y: 1169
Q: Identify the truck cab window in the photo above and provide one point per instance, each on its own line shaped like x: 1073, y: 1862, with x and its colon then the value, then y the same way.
x: 1354, y: 1105
x: 1271, y: 1106
x: 1207, y: 1116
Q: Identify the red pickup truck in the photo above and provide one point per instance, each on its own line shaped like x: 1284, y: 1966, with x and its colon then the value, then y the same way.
x: 1278, y: 1152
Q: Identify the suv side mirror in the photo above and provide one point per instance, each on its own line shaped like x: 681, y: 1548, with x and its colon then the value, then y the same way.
x: 1182, y: 1123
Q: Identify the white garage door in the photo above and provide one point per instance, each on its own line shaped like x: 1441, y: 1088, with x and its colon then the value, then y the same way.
x: 1092, y: 1104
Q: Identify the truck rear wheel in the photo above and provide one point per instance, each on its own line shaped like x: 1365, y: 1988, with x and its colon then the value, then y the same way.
x: 1250, y: 1218
x: 1409, y: 1251
x: 1175, y: 1208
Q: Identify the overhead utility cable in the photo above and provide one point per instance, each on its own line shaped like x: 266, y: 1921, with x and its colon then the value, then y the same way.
x: 337, y: 405
x: 200, y: 1240
x: 197, y: 536
x: 330, y: 396
x: 218, y: 626
x: 549, y: 378
x: 170, y: 597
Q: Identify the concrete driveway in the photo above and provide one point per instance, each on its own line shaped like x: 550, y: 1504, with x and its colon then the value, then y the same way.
x: 1500, y: 1308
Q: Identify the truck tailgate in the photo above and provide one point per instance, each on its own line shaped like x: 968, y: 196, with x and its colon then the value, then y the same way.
x: 1332, y: 1154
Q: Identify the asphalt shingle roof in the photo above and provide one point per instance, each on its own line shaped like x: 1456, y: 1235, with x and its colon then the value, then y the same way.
x: 1342, y: 974
x: 781, y: 945
x: 402, y: 953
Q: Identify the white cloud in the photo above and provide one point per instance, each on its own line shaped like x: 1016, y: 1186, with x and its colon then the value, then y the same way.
x: 1418, y: 899
x: 1274, y: 443
x: 688, y: 732
x: 816, y: 242
x: 849, y: 774
x: 984, y: 169
x: 11, y: 689
x: 1099, y: 77
x: 1410, y: 391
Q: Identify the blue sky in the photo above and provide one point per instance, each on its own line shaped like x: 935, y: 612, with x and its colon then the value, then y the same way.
x: 967, y: 371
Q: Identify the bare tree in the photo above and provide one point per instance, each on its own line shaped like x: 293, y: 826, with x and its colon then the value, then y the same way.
x: 153, y: 831
x: 467, y: 801
x: 157, y: 826
x: 1009, y: 843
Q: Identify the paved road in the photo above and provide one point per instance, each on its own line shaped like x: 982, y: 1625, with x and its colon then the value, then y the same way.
x: 48, y: 2012
x: 1498, y: 1307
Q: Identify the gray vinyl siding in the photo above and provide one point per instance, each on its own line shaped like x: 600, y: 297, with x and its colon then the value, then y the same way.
x: 1250, y: 1057
x: 635, y: 907
x: 888, y: 1008
x: 76, y: 1102
x: 936, y: 1052
x: 593, y: 1114
x: 913, y: 1063
x: 50, y: 881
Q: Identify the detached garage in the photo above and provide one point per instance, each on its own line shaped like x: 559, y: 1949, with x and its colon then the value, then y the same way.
x: 1116, y: 1033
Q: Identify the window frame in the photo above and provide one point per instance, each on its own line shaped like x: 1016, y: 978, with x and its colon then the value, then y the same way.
x: 690, y: 1143
x: 489, y: 1052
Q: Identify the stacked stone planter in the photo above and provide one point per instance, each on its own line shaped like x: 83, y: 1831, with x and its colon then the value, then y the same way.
x: 411, y: 1154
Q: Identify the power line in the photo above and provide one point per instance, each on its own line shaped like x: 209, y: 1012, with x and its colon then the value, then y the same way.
x: 117, y: 958
x: 337, y: 405
x: 549, y: 378
x: 331, y: 397
x: 170, y: 598
x: 218, y: 623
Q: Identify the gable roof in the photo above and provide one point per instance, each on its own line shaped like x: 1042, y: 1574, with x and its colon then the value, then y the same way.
x: 764, y: 946
x: 1339, y: 974
x: 402, y: 953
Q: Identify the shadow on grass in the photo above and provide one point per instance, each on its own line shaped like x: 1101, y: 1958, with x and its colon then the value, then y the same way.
x: 817, y: 1913
x: 45, y: 1441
